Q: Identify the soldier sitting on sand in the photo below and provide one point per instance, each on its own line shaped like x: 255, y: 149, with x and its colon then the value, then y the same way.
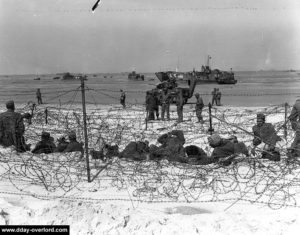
x: 62, y: 144
x: 46, y: 144
x: 74, y: 145
x: 197, y: 156
x: 105, y: 150
x: 265, y: 133
x: 225, y: 150
x: 136, y: 151
x: 171, y: 147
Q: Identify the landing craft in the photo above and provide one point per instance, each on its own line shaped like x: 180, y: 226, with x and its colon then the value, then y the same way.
x: 135, y: 76
x: 69, y: 77
x: 206, y: 75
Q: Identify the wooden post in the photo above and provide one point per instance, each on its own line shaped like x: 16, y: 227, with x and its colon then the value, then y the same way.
x: 210, y: 130
x: 146, y: 118
x: 46, y: 116
x: 85, y: 130
x: 285, y: 119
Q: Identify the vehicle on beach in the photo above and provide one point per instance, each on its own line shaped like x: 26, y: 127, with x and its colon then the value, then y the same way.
x: 184, y: 93
x: 37, y: 79
x: 135, y: 76
x: 56, y: 78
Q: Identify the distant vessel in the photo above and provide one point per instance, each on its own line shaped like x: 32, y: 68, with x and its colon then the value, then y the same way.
x: 135, y: 76
x: 206, y: 75
x: 68, y: 76
x: 37, y: 79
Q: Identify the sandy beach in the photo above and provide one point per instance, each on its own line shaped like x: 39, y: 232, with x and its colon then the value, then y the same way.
x: 148, y: 197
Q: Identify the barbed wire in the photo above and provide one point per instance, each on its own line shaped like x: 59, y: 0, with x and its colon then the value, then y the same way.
x: 250, y: 179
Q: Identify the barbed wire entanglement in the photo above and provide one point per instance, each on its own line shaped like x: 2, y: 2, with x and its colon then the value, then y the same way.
x: 250, y: 179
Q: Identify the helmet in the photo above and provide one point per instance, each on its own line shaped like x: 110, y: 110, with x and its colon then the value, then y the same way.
x: 72, y: 135
x: 45, y: 135
x: 214, y: 140
x: 10, y: 104
x: 261, y: 116
x: 197, y: 94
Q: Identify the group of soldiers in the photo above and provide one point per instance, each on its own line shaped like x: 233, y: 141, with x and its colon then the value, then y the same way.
x: 225, y: 150
x: 153, y: 101
x: 216, y: 97
x: 171, y: 144
x: 12, y: 131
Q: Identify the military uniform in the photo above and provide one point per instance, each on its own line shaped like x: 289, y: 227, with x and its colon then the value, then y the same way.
x: 151, y: 103
x: 12, y: 128
x: 198, y: 107
x: 136, y: 151
x: 179, y: 105
x: 165, y: 105
x: 218, y: 98
x: 295, y: 121
x: 265, y: 132
x: 62, y: 145
x: 171, y: 147
x: 197, y: 156
x: 225, y: 150
x: 214, y: 99
x: 74, y: 145
x: 39, y: 96
x: 123, y: 98
x: 156, y: 106
x: 46, y: 145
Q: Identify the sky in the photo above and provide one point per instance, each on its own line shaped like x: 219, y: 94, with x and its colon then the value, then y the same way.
x: 54, y: 36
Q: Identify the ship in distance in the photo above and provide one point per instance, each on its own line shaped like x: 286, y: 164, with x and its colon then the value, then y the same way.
x: 206, y: 75
x: 136, y: 76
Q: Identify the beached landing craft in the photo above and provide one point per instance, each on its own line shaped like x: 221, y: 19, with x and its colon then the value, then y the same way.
x: 206, y: 75
x: 135, y: 76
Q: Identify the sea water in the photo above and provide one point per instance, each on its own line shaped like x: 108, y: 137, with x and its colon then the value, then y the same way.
x: 254, y: 88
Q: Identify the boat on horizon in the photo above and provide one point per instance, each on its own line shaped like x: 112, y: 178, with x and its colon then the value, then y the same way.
x: 69, y: 77
x: 206, y: 75
x: 135, y: 76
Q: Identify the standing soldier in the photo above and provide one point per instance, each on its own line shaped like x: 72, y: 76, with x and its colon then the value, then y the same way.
x: 295, y: 121
x: 179, y: 105
x: 199, y: 106
x: 150, y: 105
x: 165, y: 107
x: 39, y: 96
x: 12, y: 128
x: 123, y: 98
x: 218, y: 97
x: 213, y: 93
x: 156, y: 106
